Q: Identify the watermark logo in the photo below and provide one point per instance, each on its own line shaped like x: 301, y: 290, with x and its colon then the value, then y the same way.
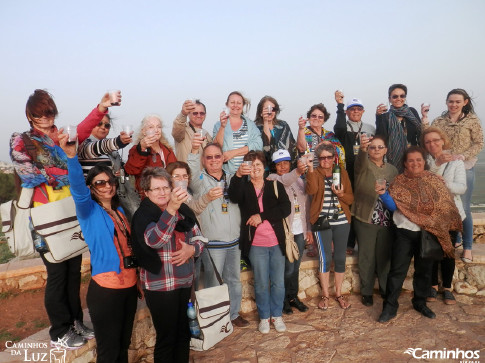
x: 464, y: 356
x: 24, y: 351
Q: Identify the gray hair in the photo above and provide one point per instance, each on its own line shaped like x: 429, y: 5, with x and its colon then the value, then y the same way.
x: 150, y: 173
x: 140, y: 135
x: 325, y: 147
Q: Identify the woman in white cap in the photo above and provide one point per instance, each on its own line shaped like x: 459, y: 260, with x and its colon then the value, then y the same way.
x: 298, y: 222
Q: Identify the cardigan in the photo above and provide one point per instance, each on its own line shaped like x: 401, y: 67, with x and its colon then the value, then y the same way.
x: 241, y: 191
x: 315, y: 186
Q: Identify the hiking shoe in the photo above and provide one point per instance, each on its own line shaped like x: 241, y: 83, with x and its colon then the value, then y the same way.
x: 83, y: 330
x: 448, y: 297
x: 433, y: 294
x: 70, y: 341
x: 264, y: 326
x: 279, y: 324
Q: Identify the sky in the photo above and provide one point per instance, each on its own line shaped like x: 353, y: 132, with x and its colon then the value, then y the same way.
x: 159, y: 53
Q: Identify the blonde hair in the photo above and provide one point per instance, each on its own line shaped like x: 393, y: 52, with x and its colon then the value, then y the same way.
x: 246, y: 101
x: 443, y: 136
x: 163, y: 139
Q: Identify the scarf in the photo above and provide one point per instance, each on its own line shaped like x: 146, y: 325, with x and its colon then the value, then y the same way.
x: 147, y: 213
x: 397, y: 135
x: 426, y: 201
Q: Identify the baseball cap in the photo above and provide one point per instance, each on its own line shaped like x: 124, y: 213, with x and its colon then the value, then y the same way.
x: 281, y: 155
x: 354, y: 102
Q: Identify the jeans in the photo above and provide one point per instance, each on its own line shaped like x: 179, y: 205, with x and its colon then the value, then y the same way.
x: 466, y: 199
x: 169, y: 316
x: 269, y: 280
x: 62, y: 301
x: 292, y: 270
x: 112, y: 314
x: 227, y: 261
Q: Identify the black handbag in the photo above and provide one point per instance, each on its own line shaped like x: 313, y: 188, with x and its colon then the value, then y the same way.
x: 321, y: 224
x: 430, y: 248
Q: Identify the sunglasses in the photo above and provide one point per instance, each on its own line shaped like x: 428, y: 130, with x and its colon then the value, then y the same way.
x: 320, y: 117
x: 210, y: 157
x: 105, y: 124
x: 328, y: 158
x: 377, y: 147
x: 394, y: 97
x: 98, y: 184
x: 198, y: 113
x: 355, y: 109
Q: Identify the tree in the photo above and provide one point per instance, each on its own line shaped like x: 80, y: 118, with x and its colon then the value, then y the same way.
x: 7, y: 187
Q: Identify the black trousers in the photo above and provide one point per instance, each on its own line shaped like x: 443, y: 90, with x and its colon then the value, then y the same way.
x: 112, y: 314
x: 447, y: 269
x: 169, y: 316
x: 404, y: 248
x: 61, y: 299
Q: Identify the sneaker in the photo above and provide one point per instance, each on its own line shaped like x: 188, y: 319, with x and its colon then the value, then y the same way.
x: 433, y: 294
x: 448, y: 297
x: 70, y: 341
x: 83, y: 330
x: 279, y: 324
x: 264, y: 326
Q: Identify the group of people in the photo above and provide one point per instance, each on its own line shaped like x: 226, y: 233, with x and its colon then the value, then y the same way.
x: 225, y: 195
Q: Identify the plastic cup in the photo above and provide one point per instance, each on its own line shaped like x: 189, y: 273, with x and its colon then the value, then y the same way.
x: 71, y: 130
x: 227, y: 111
x: 310, y: 156
x: 127, y: 129
x: 248, y: 162
x: 199, y: 133
x: 381, y: 182
x: 220, y: 184
x: 113, y: 97
x: 180, y: 184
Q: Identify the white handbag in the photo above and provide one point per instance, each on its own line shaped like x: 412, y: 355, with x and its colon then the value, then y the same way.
x: 57, y: 223
x: 212, y: 308
x: 15, y: 225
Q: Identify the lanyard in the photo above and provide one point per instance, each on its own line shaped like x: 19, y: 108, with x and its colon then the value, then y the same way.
x: 356, y: 134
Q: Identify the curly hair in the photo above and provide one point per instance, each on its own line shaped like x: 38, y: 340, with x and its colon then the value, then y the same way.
x: 163, y: 139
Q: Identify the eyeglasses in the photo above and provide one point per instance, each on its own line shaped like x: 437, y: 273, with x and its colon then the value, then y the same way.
x: 210, y: 157
x: 198, y: 113
x: 98, y: 184
x: 377, y: 147
x: 158, y: 190
x: 355, y: 109
x: 326, y: 158
x: 105, y: 124
x: 320, y: 117
x: 398, y: 96
x: 432, y: 141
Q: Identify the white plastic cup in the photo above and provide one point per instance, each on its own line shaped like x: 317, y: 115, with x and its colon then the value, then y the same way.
x: 127, y: 129
x: 180, y: 183
x: 113, y: 97
x: 227, y: 111
x: 381, y: 182
x: 220, y: 184
x: 71, y: 130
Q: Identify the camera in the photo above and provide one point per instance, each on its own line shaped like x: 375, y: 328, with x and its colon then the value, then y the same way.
x: 335, y: 215
x: 130, y: 262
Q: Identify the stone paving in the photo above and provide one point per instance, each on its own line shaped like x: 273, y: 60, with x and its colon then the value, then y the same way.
x: 355, y: 335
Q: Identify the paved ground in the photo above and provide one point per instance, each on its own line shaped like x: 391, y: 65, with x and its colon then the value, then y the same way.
x: 354, y: 335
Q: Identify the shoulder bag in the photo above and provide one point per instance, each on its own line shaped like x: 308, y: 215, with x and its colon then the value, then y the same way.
x: 292, y: 252
x: 430, y: 248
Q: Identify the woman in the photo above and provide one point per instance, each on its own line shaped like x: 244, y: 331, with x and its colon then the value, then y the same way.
x: 276, y: 133
x: 298, y: 223
x: 400, y: 125
x: 420, y: 201
x: 240, y: 137
x: 98, y: 150
x: 453, y: 172
x: 262, y: 236
x: 332, y: 202
x: 151, y: 149
x: 372, y: 221
x: 309, y: 137
x: 112, y: 292
x: 464, y: 129
x: 42, y: 165
x: 163, y: 241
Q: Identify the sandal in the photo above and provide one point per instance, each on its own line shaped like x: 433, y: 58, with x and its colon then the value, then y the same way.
x: 323, y: 306
x: 342, y: 302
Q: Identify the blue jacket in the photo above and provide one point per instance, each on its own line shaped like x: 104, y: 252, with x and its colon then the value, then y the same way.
x: 96, y: 224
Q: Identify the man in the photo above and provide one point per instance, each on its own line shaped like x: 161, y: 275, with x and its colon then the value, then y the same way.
x: 183, y: 131
x: 348, y: 132
x: 219, y: 222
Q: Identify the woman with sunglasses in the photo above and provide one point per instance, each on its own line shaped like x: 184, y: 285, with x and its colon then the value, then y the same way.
x: 235, y: 132
x: 262, y: 236
x: 98, y: 150
x: 309, y: 137
x: 112, y: 291
x: 151, y: 149
x: 400, y: 125
x: 464, y: 129
x: 166, y: 238
x: 42, y: 166
x: 372, y: 220
x: 453, y: 172
x: 331, y: 203
x: 276, y: 133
